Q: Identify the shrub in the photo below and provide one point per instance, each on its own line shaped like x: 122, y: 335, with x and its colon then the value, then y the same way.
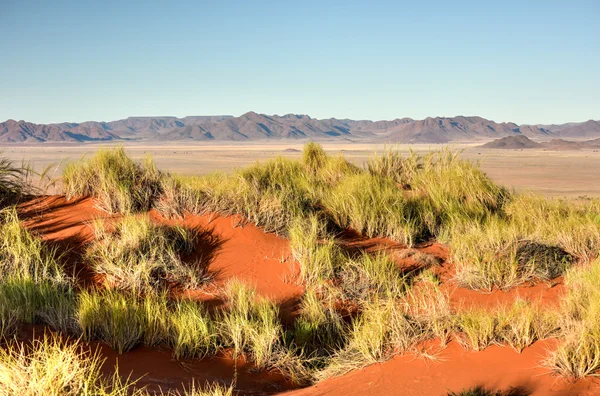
x: 119, y: 184
x: 141, y: 255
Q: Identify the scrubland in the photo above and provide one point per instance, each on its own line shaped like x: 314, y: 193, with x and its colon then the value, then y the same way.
x: 359, y: 307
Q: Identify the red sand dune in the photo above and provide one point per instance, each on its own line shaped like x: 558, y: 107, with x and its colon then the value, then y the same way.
x: 496, y: 367
x: 237, y: 250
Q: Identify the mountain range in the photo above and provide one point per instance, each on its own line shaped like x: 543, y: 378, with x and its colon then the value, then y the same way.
x: 253, y: 127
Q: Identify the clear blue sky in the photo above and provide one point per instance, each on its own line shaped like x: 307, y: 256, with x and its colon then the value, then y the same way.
x: 523, y: 61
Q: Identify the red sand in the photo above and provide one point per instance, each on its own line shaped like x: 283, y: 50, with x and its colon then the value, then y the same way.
x: 497, y: 368
x: 245, y: 252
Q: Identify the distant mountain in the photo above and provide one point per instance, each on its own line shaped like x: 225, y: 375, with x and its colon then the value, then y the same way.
x: 523, y: 142
x: 252, y: 126
x: 512, y: 143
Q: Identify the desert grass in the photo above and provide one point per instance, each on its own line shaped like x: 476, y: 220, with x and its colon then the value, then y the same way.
x: 250, y: 324
x: 119, y: 184
x: 141, y: 255
x: 386, y: 327
x: 23, y: 255
x: 519, y: 325
x: 483, y: 391
x: 112, y: 317
x: 13, y: 182
x: 319, y: 326
x: 498, y: 254
x: 317, y: 253
x: 192, y: 332
x: 375, y: 206
x: 208, y: 390
x: 43, y: 302
x: 368, y: 277
x: 579, y: 353
x: 51, y: 366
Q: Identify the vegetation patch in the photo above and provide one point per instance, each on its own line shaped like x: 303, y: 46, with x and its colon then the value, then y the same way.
x: 119, y: 184
x: 138, y: 254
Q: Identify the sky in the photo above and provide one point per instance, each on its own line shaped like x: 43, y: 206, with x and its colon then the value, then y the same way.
x: 535, y: 62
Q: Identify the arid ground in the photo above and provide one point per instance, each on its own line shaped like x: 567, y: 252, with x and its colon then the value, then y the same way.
x: 264, y: 260
x: 572, y: 173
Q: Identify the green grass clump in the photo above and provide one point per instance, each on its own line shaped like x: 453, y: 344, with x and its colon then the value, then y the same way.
x: 23, y: 255
x: 375, y: 206
x: 372, y: 276
x: 319, y: 326
x: 384, y: 328
x: 481, y: 391
x: 112, y: 317
x: 318, y: 254
x: 141, y: 255
x: 250, y: 325
x: 192, y: 331
x: 518, y: 325
x: 41, y: 302
x: 498, y: 253
x: 208, y: 390
x: 50, y: 366
x: 119, y: 184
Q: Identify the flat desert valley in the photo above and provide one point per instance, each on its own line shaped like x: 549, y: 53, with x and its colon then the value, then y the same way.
x: 568, y: 173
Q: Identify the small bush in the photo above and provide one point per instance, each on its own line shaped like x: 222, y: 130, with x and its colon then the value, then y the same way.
x: 119, y: 184
x: 141, y: 255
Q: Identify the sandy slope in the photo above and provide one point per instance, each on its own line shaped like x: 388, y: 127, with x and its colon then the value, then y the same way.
x: 244, y: 251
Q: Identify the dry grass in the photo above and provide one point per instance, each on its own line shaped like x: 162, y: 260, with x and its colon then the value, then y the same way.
x: 140, y: 255
x: 50, y: 366
x: 25, y: 256
x: 579, y: 353
x: 119, y: 184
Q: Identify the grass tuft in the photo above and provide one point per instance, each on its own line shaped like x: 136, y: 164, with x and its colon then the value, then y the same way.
x: 51, y: 366
x: 140, y: 255
x: 119, y: 184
